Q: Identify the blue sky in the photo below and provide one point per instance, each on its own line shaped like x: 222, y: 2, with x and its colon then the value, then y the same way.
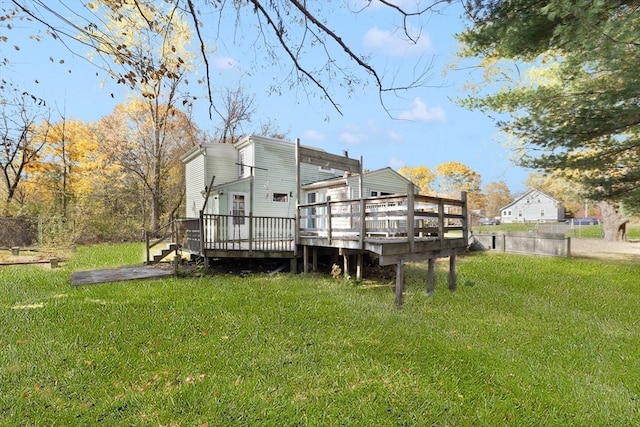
x: 427, y: 127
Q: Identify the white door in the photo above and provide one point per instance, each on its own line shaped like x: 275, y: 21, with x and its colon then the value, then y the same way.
x: 239, y: 219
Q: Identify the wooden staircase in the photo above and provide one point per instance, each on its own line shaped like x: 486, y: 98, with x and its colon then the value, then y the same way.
x: 165, y: 236
x: 158, y: 257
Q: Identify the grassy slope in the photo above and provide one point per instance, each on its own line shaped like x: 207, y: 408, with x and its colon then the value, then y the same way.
x: 524, y: 341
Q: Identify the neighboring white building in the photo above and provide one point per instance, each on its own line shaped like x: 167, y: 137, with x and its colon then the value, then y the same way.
x: 533, y: 206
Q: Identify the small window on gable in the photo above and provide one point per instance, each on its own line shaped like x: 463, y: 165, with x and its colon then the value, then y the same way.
x: 541, y: 212
x: 280, y: 197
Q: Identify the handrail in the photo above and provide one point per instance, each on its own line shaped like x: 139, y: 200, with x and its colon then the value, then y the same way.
x: 387, y: 216
x: 160, y: 235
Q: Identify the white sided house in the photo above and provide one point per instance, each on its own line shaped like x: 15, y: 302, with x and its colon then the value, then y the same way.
x: 259, y: 174
x: 268, y: 198
x: 533, y: 206
x: 256, y: 176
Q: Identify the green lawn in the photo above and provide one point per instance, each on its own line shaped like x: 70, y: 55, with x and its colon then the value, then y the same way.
x: 525, y: 341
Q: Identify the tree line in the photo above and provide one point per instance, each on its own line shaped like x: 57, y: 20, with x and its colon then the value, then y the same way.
x: 561, y: 76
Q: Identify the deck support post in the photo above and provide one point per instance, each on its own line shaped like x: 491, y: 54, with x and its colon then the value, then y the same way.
x: 345, y: 261
x: 399, y: 283
x: 314, y: 259
x: 431, y: 276
x: 305, y: 257
x: 293, y: 265
x: 452, y: 273
x: 359, y: 263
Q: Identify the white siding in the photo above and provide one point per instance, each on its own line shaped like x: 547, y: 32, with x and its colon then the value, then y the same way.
x: 221, y: 163
x: 381, y: 181
x: 194, y: 177
x: 277, y: 174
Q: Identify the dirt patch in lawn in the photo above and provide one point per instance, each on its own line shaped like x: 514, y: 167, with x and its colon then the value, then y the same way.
x: 600, y: 249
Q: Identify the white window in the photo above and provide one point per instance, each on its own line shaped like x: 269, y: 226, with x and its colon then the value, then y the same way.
x: 280, y: 197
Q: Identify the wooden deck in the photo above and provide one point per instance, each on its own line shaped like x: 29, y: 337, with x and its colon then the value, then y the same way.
x: 396, y: 229
x: 393, y: 227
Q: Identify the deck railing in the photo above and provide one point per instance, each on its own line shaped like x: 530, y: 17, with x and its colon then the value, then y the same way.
x: 390, y: 216
x: 235, y: 232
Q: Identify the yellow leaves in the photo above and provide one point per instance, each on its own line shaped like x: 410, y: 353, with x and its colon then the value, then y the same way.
x: 422, y: 176
x: 456, y: 177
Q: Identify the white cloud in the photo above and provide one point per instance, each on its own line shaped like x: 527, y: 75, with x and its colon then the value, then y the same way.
x: 225, y: 63
x: 353, y: 135
x: 396, y: 43
x: 395, y: 163
x: 419, y: 112
x: 394, y: 136
x: 313, y: 135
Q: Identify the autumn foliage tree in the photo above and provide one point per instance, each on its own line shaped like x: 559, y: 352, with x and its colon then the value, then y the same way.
x: 421, y: 176
x: 129, y: 138
x: 449, y: 179
x: 455, y: 177
x: 497, y: 195
x: 150, y: 40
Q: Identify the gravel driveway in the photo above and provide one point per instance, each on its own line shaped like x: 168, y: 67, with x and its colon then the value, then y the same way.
x: 598, y: 248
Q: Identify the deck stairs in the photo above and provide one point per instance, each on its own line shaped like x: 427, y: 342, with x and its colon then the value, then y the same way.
x: 169, y: 249
x: 161, y: 243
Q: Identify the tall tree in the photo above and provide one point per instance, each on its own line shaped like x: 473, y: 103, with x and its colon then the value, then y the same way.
x: 497, y: 195
x: 576, y: 108
x: 67, y: 166
x: 21, y: 144
x: 237, y: 109
x: 129, y: 137
x: 455, y: 177
x: 150, y: 39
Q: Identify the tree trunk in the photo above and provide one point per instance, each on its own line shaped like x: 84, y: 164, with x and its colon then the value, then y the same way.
x: 612, y: 222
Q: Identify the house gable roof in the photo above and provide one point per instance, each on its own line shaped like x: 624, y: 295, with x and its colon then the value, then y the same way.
x: 532, y: 192
x: 332, y: 182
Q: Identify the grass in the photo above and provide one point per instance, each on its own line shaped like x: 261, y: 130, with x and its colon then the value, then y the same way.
x: 525, y: 341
